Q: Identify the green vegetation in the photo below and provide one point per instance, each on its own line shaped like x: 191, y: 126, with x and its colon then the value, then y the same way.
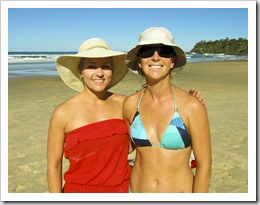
x: 226, y: 46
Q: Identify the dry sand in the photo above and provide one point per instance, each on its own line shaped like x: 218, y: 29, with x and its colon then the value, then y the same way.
x: 223, y: 84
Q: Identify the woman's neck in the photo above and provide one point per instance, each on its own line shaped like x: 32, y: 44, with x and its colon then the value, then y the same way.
x: 90, y: 95
x: 160, y: 90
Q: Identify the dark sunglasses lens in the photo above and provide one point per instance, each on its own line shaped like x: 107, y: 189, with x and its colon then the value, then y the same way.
x: 146, y: 53
x: 163, y: 52
x: 166, y: 53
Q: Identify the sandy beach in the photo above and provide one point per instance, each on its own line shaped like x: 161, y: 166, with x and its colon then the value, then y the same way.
x: 223, y: 84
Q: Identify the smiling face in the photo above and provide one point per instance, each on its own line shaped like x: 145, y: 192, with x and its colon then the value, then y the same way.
x: 156, y: 66
x: 96, y: 73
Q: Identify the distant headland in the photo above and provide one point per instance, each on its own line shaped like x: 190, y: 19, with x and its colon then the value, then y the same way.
x: 226, y: 46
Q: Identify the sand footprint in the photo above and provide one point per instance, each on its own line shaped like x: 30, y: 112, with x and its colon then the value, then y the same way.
x: 28, y: 167
x: 20, y: 155
x: 19, y: 188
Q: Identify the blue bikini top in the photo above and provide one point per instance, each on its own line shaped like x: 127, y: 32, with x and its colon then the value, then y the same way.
x: 175, y: 136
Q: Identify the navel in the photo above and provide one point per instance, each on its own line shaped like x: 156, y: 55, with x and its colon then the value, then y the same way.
x: 155, y: 183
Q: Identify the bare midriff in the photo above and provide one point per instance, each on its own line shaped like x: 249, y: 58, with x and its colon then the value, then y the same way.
x: 160, y: 170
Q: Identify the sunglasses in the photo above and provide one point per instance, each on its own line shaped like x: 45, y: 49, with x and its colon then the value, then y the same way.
x: 148, y: 51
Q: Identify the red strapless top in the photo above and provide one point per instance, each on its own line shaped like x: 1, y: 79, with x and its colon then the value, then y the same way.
x: 98, y: 158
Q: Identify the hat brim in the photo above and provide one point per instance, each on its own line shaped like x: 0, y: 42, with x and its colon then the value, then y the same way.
x: 67, y: 67
x: 131, y: 57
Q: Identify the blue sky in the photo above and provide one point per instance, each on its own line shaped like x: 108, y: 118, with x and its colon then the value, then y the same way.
x: 64, y: 29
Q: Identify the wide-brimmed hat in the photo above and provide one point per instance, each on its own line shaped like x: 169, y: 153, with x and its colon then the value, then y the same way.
x: 67, y: 65
x: 155, y: 36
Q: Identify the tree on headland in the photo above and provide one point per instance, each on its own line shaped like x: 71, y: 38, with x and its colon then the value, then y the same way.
x: 227, y: 46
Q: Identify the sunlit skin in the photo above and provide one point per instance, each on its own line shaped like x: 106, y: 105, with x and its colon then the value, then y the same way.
x: 96, y: 73
x: 162, y: 170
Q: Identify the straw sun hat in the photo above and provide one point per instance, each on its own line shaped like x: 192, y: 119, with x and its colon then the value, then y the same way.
x: 67, y: 65
x: 155, y: 36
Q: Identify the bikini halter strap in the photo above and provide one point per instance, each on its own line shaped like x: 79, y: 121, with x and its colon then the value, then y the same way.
x: 175, y: 103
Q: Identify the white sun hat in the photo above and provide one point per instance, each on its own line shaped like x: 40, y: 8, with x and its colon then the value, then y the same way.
x: 155, y: 36
x: 67, y: 65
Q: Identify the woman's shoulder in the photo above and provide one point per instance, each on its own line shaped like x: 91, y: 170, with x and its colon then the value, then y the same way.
x: 129, y: 106
x: 187, y: 100
x: 131, y: 102
x: 65, y: 107
x: 133, y: 98
x: 119, y: 97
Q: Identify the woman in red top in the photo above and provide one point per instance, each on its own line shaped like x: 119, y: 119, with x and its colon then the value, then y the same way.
x: 89, y: 127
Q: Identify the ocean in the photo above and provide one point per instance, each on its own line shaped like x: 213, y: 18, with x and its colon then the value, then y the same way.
x: 43, y: 63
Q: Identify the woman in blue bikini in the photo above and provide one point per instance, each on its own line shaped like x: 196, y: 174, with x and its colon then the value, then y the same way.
x: 166, y: 123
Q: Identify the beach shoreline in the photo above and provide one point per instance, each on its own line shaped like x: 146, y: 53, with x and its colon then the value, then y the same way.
x: 224, y: 85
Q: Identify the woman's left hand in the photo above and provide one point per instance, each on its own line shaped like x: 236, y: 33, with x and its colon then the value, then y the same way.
x: 198, y: 95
